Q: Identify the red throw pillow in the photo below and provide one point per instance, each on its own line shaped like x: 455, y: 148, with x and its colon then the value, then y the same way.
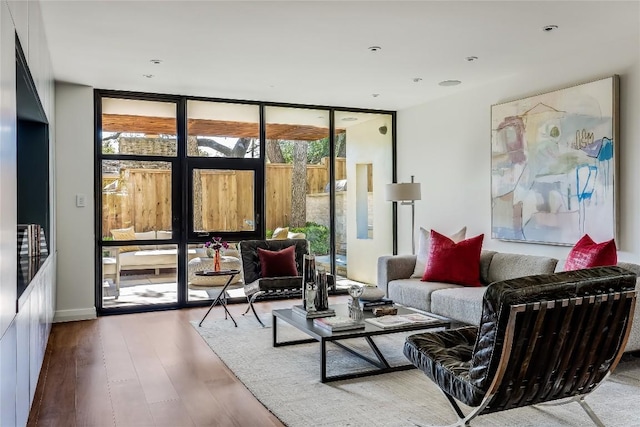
x: 452, y: 262
x: 278, y: 263
x: 587, y: 253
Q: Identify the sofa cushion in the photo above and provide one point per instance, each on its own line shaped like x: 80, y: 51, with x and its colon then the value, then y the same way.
x: 587, y: 254
x: 146, y: 235
x: 280, y: 233
x: 423, y: 249
x: 125, y: 234
x: 485, y: 263
x: 506, y: 266
x: 149, y: 258
x: 415, y: 293
x: 164, y: 235
x: 452, y: 262
x: 278, y: 263
x: 463, y: 304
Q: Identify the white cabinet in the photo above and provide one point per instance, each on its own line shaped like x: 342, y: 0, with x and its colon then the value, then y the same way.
x: 27, y: 18
x: 23, y: 397
x: 8, y: 173
x: 8, y: 376
x: 35, y: 311
x: 20, y: 13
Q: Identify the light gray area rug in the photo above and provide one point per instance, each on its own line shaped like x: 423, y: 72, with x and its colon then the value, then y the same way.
x: 287, y: 381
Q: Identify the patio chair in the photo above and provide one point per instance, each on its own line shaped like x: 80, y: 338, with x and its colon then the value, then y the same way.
x: 540, y: 339
x: 258, y: 287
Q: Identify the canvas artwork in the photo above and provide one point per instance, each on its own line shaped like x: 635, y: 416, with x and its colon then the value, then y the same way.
x: 553, y: 165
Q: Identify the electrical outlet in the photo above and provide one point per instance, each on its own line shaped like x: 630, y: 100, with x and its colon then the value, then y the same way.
x: 81, y: 200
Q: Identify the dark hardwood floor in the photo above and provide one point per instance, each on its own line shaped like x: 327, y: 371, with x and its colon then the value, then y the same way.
x: 149, y: 369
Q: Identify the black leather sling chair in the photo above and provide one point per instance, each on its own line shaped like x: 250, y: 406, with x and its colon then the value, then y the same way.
x: 540, y: 339
x: 258, y: 287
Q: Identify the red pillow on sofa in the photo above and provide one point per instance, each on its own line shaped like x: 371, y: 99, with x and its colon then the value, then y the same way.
x: 586, y: 254
x: 452, y: 262
x: 278, y: 263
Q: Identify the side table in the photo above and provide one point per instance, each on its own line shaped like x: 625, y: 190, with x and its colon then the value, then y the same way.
x: 221, y: 298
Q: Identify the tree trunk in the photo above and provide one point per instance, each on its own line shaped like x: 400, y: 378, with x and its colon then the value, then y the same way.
x: 274, y: 153
x: 197, y: 201
x: 341, y: 144
x: 299, y: 185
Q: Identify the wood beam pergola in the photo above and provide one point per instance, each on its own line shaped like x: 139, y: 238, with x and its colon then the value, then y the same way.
x: 204, y: 127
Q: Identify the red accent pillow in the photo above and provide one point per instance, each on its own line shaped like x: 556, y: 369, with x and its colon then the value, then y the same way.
x: 452, y: 262
x: 586, y: 254
x: 278, y: 263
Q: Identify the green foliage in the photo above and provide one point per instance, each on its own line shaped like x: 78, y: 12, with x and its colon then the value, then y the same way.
x: 317, y: 235
x: 315, y: 152
x: 108, y: 148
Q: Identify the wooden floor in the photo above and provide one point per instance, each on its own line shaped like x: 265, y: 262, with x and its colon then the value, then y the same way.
x: 149, y: 369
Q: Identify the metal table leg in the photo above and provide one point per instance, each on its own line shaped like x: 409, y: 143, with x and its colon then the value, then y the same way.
x: 219, y: 299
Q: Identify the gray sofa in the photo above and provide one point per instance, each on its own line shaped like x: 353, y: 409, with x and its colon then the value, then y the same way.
x: 464, y: 304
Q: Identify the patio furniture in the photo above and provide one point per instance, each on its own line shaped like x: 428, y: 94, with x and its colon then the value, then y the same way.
x: 203, y: 263
x: 256, y: 286
x: 540, y: 339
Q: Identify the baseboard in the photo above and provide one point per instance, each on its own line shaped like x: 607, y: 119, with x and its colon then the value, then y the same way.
x: 73, y: 315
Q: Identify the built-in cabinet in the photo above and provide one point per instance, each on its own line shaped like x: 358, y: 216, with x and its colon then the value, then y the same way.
x: 25, y: 315
x: 36, y: 307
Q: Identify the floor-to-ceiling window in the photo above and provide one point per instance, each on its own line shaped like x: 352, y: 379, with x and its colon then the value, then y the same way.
x: 297, y: 184
x: 363, y: 165
x: 173, y: 172
x: 224, y: 173
x: 138, y: 190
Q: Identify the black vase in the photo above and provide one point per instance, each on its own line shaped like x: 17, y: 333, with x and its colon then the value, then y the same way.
x: 322, y: 290
x: 308, y: 275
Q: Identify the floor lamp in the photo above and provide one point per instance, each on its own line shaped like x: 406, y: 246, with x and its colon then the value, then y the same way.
x: 406, y: 193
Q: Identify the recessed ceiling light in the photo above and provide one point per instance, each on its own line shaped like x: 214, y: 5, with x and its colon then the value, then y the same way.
x: 155, y: 61
x: 375, y: 48
x: 450, y: 83
x: 549, y: 28
x: 349, y: 119
x: 375, y: 95
x: 471, y: 58
x: 417, y: 79
x: 149, y: 76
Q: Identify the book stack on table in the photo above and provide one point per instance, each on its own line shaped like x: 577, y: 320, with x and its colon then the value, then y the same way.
x: 299, y: 310
x: 366, y: 305
x: 337, y: 323
x: 401, y: 320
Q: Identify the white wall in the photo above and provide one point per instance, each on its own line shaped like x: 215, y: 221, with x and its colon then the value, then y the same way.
x: 74, y: 226
x: 447, y: 145
x: 365, y: 144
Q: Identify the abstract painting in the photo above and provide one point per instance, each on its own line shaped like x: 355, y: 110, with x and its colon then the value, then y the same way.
x: 553, y: 165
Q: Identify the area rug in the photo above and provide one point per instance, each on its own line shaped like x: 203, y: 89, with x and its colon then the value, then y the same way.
x: 287, y: 381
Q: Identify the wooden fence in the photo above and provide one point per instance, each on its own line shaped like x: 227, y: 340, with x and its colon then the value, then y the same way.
x: 223, y: 199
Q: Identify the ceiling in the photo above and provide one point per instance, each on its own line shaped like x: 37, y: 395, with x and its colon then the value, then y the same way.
x: 316, y: 53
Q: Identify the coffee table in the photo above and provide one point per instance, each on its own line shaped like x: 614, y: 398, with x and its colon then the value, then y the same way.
x: 381, y: 366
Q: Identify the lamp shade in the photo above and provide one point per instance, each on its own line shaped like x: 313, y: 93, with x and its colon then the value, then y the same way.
x: 403, y: 192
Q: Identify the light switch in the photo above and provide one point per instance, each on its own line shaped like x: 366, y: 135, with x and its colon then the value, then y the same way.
x: 81, y: 200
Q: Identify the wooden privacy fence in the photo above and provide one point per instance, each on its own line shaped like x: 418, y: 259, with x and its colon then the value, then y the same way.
x: 223, y: 199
